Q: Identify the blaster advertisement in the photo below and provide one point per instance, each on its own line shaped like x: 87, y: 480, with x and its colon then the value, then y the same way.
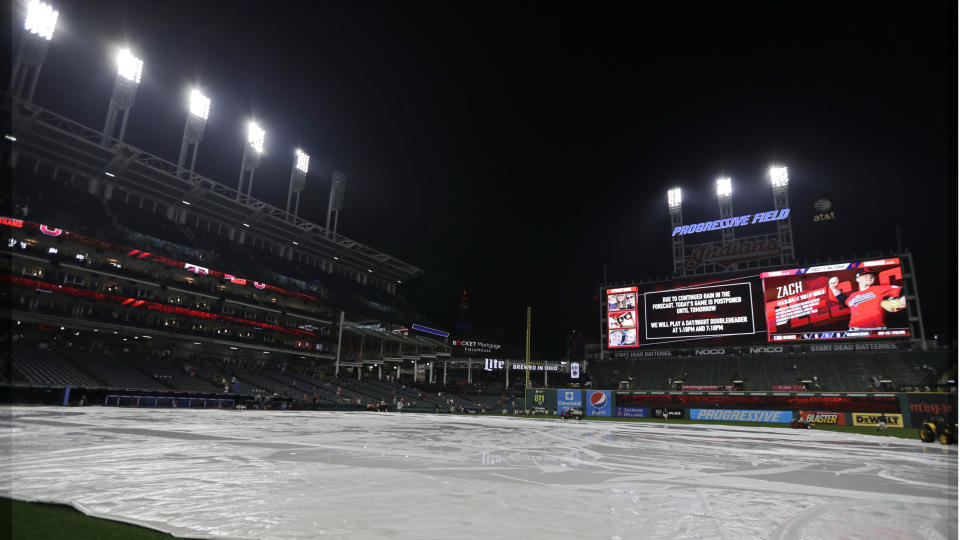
x: 824, y: 418
x: 839, y: 301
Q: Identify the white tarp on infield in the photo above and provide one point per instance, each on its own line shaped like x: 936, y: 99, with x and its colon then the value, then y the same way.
x: 254, y: 474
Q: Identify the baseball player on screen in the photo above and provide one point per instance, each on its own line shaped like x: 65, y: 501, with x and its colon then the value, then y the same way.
x: 868, y: 304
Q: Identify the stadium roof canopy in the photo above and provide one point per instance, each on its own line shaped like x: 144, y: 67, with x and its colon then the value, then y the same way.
x: 76, y: 149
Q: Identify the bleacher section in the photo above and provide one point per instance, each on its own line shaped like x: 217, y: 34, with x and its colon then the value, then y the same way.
x: 44, y: 367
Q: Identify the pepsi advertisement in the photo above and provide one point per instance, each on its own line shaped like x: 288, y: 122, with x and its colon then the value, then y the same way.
x: 599, y: 402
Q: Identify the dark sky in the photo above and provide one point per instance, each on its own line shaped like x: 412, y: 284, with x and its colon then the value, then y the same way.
x: 513, y: 149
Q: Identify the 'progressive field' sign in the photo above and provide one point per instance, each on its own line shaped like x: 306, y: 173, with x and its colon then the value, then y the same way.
x: 731, y: 415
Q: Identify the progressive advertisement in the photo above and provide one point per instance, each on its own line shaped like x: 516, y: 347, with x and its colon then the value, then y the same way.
x: 854, y: 300
x: 731, y: 415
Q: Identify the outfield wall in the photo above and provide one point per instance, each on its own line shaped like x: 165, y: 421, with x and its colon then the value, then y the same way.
x: 836, y: 408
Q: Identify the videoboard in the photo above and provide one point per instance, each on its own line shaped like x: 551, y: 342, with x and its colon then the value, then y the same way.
x: 857, y: 300
x: 839, y: 301
x: 681, y: 313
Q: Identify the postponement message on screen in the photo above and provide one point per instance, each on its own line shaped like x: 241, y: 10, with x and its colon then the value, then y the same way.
x: 714, y: 310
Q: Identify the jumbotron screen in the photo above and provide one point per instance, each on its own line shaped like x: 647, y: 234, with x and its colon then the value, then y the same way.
x: 692, y: 313
x: 838, y: 301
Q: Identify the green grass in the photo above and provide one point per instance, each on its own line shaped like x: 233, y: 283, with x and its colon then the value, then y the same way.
x: 38, y: 521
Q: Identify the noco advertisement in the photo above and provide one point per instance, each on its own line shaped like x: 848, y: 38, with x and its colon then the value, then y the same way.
x: 857, y: 300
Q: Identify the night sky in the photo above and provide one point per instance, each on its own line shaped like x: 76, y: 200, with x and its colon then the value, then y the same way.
x: 514, y: 149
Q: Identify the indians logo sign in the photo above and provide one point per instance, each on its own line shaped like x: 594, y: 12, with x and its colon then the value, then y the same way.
x: 731, y: 253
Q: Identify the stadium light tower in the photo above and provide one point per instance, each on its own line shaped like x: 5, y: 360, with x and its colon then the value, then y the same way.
x: 779, y: 181
x: 38, y: 30
x: 725, y: 198
x: 298, y: 179
x: 129, y: 71
x: 335, y: 203
x: 251, y: 157
x: 193, y: 129
x: 674, y: 202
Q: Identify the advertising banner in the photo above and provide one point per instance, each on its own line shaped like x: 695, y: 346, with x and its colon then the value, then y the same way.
x: 786, y: 387
x: 703, y: 387
x: 924, y: 406
x: 671, y: 412
x: 838, y: 301
x: 732, y: 415
x: 569, y: 399
x: 541, y: 401
x: 599, y: 402
x: 633, y: 412
x: 824, y: 417
x: 872, y: 419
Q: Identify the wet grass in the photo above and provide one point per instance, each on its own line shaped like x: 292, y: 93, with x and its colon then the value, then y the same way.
x: 38, y: 521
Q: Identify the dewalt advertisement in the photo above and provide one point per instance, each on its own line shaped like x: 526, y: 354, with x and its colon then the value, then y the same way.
x: 872, y: 419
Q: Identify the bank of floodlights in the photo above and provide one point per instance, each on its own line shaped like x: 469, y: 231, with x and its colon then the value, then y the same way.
x: 779, y: 177
x: 256, y: 137
x: 193, y: 129
x: 303, y: 161
x: 674, y: 198
x: 41, y: 19
x: 129, y: 67
x: 199, y: 105
x: 129, y: 72
x: 38, y: 29
x: 724, y: 187
x: 298, y: 180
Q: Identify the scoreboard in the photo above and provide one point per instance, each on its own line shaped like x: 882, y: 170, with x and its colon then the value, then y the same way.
x: 856, y: 300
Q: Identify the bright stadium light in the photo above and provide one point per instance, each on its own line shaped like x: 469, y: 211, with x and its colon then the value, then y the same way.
x: 256, y: 136
x: 41, y: 19
x: 303, y: 161
x: 724, y: 187
x: 779, y: 177
x: 674, y: 198
x: 129, y: 66
x: 199, y: 104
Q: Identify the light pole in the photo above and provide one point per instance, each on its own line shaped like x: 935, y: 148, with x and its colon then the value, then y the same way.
x: 779, y: 181
x: 251, y: 158
x: 674, y: 199
x: 129, y: 71
x: 298, y: 179
x: 335, y: 203
x: 37, y: 32
x: 725, y: 199
x: 193, y: 129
